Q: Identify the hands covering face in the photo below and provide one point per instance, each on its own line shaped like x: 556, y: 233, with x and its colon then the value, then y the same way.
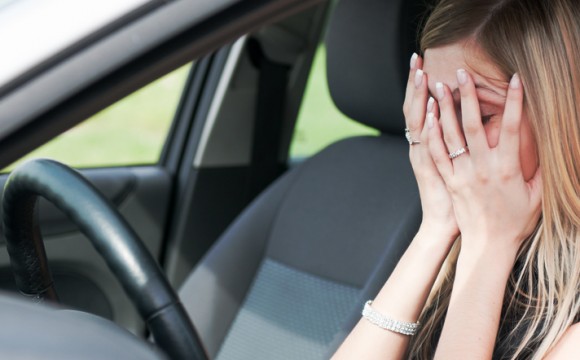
x: 465, y: 185
x: 436, y: 203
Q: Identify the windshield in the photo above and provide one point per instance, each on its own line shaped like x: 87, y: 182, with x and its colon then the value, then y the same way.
x: 32, y: 31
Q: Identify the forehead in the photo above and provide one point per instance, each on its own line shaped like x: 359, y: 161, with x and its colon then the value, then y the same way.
x: 441, y: 65
x: 444, y: 58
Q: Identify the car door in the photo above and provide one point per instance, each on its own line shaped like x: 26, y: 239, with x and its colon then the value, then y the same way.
x: 181, y: 197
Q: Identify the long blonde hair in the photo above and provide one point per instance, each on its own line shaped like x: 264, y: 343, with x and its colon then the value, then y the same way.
x: 539, y: 40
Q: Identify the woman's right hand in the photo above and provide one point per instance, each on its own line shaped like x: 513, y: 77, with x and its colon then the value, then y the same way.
x: 438, y: 215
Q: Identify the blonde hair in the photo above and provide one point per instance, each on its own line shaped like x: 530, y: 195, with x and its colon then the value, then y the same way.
x: 539, y: 40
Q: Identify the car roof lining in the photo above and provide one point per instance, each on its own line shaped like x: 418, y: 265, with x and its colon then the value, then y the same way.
x: 78, y: 46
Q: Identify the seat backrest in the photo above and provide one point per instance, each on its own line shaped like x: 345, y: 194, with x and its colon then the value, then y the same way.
x: 290, y: 275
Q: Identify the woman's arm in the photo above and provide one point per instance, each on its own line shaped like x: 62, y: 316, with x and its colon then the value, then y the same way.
x: 404, y: 294
x: 474, y: 311
x: 402, y: 298
x: 567, y: 347
x: 495, y: 208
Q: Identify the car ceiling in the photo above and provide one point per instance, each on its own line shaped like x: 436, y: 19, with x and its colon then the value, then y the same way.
x: 113, y: 66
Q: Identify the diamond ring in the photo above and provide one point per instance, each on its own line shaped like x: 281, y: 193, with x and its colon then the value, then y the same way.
x: 409, y: 139
x: 458, y: 153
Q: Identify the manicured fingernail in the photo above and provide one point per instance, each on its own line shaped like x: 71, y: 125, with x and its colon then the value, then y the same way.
x: 440, y: 91
x: 430, y: 117
x: 461, y: 76
x: 414, y: 60
x: 418, y: 78
x: 515, y: 81
x: 430, y: 104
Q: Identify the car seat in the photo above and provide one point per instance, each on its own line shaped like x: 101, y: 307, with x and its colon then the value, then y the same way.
x: 289, y: 277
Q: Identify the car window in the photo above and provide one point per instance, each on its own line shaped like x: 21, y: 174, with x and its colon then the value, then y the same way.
x: 319, y: 122
x: 33, y: 30
x: 130, y: 132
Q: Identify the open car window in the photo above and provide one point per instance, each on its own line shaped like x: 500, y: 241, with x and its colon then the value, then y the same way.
x: 130, y: 49
x: 132, y: 131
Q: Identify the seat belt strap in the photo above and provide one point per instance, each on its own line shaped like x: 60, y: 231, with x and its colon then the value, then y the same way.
x: 269, y: 111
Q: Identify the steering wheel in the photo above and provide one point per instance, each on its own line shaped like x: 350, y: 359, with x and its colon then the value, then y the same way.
x: 123, y: 251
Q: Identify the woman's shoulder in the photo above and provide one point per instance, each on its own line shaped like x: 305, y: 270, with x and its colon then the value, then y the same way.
x: 567, y: 347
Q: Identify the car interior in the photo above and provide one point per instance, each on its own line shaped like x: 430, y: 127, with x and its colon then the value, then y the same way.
x: 271, y: 257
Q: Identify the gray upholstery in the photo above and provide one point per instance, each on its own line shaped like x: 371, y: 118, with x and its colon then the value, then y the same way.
x: 333, y: 217
x: 343, y: 217
x: 30, y: 331
x: 314, y: 312
x: 347, y: 201
x: 369, y: 45
x: 213, y: 293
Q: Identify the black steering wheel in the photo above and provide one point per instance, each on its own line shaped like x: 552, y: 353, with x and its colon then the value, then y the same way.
x: 125, y: 254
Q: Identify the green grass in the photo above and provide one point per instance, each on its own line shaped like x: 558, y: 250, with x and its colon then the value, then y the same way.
x: 133, y: 131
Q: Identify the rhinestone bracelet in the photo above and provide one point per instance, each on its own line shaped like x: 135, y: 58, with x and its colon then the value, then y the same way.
x: 386, y: 323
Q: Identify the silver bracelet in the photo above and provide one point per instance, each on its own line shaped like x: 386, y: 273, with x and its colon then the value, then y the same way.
x: 387, y: 323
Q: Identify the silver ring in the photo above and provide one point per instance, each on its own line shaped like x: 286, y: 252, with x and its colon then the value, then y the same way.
x: 409, y: 139
x: 458, y: 153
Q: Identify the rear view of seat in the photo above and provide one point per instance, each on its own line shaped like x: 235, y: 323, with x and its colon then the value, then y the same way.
x: 288, y: 279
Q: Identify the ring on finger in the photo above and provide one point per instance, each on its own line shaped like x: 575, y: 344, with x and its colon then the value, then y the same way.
x: 458, y: 153
x: 409, y: 138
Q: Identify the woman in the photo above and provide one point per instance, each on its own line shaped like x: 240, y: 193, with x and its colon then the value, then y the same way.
x: 496, y: 154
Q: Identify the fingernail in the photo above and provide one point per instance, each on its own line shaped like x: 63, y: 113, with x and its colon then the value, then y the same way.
x: 440, y: 91
x: 461, y: 76
x: 515, y: 81
x: 430, y: 104
x: 418, y: 78
x: 414, y: 60
x: 430, y: 117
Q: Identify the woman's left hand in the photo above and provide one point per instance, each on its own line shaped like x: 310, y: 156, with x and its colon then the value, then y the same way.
x: 495, y: 207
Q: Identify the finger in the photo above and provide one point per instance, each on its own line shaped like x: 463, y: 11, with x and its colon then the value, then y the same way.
x: 509, y: 138
x: 418, y: 111
x: 415, y: 63
x: 471, y: 117
x: 423, y: 151
x: 415, y: 98
x: 412, y: 68
x: 432, y: 107
x: 453, y: 138
x: 438, y: 149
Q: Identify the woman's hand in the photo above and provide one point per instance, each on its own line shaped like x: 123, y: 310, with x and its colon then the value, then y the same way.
x: 495, y: 208
x: 438, y: 216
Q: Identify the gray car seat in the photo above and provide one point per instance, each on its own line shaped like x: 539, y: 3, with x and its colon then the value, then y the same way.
x: 288, y: 279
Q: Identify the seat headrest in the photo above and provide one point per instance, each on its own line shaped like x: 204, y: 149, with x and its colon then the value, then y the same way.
x: 369, y: 44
